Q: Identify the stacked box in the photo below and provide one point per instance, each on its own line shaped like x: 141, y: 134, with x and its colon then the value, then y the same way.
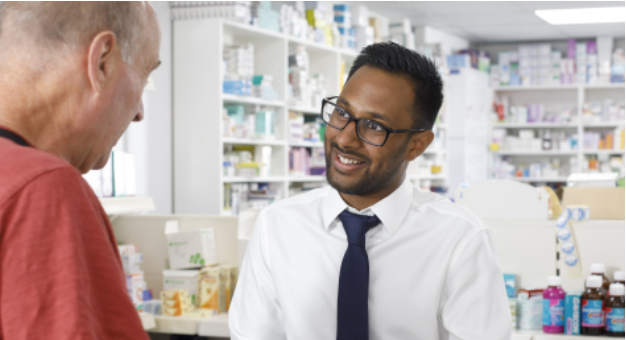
x: 235, y: 10
x: 192, y: 249
x: 592, y: 63
x: 262, y: 87
x: 581, y: 63
x: 555, y: 68
x: 604, y: 47
x: 617, y: 68
x: 504, y: 63
x: 175, y: 302
x: 264, y: 16
x: 212, y: 288
x: 239, y: 60
x: 182, y: 280
x: 400, y: 32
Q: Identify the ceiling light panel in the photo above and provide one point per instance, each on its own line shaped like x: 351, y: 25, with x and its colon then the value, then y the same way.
x: 577, y: 16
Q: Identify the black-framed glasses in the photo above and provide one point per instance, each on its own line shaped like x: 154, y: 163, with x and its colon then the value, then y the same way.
x: 367, y: 130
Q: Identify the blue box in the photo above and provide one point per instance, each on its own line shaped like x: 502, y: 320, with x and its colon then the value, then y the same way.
x: 509, y: 283
x: 573, y: 302
x: 342, y: 7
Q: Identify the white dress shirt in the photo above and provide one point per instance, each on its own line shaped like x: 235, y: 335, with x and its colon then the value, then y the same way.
x: 434, y: 271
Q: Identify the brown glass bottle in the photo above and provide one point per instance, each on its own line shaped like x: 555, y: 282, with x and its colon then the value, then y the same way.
x: 614, y: 311
x: 592, y: 307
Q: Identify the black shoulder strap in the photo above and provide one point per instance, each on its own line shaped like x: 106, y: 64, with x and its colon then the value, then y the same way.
x: 14, y: 137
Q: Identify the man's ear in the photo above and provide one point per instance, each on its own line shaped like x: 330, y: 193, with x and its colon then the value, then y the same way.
x: 101, y: 59
x: 418, y: 144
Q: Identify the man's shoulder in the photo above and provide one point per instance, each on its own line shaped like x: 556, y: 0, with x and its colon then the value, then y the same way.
x: 22, y: 165
x: 447, y: 209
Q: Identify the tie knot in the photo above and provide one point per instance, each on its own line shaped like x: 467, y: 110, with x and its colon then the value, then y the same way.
x: 356, y: 226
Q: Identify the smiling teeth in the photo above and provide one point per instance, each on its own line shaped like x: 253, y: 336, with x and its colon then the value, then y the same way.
x: 348, y: 161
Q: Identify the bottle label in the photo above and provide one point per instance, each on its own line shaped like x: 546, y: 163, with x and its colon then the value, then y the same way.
x: 614, y: 319
x: 553, y: 312
x: 593, y: 315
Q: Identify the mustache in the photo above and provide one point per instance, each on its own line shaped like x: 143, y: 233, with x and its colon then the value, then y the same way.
x: 334, y: 145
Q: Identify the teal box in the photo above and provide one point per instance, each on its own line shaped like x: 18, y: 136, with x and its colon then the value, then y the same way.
x: 265, y: 123
x: 573, y: 302
x: 238, y: 112
x: 509, y: 283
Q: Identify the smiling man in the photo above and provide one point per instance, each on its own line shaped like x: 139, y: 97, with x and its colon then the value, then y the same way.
x: 370, y: 256
x: 71, y: 79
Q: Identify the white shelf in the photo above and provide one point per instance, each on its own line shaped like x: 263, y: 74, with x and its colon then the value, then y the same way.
x: 305, y: 110
x: 216, y: 326
x: 604, y: 86
x: 603, y: 152
x: 543, y: 336
x: 519, y: 334
x: 559, y: 87
x: 535, y: 125
x: 126, y: 205
x: 296, y: 179
x: 321, y: 47
x: 603, y: 125
x: 305, y: 144
x: 235, y: 141
x: 536, y: 153
x: 540, y: 180
x: 252, y: 179
x: 536, y: 87
x: 428, y: 177
x: 147, y: 321
x: 229, y: 98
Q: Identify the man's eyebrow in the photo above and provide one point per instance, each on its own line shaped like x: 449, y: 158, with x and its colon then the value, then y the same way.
x: 374, y: 115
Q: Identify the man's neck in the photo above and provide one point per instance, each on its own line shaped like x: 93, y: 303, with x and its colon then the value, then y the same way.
x: 363, y: 202
x: 27, y: 108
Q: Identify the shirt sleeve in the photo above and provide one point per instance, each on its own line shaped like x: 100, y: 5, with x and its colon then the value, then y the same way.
x: 53, y: 253
x: 255, y: 313
x: 476, y: 305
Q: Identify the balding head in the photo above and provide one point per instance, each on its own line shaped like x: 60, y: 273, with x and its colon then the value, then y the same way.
x: 72, y: 74
x: 55, y: 28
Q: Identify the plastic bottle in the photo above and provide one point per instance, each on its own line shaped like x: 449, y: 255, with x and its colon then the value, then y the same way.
x: 618, y: 277
x: 553, y: 306
x: 599, y: 270
x: 592, y: 307
x: 614, y: 311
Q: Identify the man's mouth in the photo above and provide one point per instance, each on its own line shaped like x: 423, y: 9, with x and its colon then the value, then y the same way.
x: 348, y: 160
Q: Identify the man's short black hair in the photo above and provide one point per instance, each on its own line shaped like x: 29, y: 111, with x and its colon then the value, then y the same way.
x: 399, y: 60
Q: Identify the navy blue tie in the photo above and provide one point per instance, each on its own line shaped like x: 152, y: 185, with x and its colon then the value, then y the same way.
x: 352, y: 311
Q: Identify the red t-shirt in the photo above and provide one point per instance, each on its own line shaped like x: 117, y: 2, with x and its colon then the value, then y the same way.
x: 61, y: 276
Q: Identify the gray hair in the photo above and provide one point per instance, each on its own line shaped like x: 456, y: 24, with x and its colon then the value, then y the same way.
x: 56, y: 26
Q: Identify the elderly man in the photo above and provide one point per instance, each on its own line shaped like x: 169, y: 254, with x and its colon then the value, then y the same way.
x: 71, y: 79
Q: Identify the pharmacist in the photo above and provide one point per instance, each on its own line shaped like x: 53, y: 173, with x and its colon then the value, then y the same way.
x: 370, y: 256
x: 71, y: 79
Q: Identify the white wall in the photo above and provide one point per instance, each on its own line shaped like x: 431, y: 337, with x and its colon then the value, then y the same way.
x: 151, y: 140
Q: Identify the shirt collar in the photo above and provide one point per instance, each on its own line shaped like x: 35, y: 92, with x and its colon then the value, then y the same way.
x: 391, y: 210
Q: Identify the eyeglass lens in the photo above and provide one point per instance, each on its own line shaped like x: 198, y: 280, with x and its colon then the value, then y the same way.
x: 367, y: 130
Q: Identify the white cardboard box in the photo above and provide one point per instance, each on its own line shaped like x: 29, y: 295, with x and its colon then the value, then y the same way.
x: 192, y: 249
x: 182, y: 279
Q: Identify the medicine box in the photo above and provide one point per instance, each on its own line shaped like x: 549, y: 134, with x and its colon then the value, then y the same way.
x: 572, y: 312
x: 192, y: 249
x: 182, y: 279
x: 212, y: 288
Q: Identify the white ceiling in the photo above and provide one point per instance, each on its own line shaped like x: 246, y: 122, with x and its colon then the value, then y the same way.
x: 485, y: 21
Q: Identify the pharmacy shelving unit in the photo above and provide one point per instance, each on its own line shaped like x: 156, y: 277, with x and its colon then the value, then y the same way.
x: 575, y: 94
x: 198, y: 102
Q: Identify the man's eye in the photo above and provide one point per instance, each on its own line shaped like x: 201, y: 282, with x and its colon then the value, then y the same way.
x: 374, y: 126
x: 343, y: 113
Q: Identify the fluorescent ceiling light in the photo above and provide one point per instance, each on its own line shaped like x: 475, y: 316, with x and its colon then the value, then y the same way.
x: 582, y: 15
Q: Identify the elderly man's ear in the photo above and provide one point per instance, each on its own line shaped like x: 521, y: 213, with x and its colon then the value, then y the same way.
x: 103, y: 57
